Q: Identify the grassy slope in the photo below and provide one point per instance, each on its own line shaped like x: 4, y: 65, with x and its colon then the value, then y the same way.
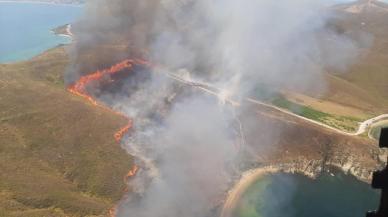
x: 364, y: 86
x: 369, y: 76
x: 58, y: 156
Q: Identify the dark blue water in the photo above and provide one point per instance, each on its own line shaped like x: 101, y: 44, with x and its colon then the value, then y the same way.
x: 286, y: 195
x: 25, y: 28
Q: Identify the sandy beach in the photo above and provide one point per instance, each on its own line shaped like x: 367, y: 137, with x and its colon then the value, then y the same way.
x: 247, y: 179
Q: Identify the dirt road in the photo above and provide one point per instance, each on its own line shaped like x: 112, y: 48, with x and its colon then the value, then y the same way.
x: 208, y: 88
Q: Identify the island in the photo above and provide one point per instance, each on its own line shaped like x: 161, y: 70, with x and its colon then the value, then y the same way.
x: 64, y: 30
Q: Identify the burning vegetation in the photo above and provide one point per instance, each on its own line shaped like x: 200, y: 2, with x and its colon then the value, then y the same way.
x: 80, y: 88
x: 132, y: 172
x: 185, y: 147
x: 120, y: 134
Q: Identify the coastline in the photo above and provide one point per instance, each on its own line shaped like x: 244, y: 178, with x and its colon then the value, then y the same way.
x: 45, y: 37
x: 42, y: 3
x: 308, y: 168
x: 247, y: 179
x: 63, y: 31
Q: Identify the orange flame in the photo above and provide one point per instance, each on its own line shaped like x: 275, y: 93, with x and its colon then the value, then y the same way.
x: 132, y: 172
x: 120, y: 134
x: 112, y: 211
x: 79, y: 89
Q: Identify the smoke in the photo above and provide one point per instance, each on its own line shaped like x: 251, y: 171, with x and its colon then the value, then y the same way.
x: 191, y: 154
x: 185, y: 141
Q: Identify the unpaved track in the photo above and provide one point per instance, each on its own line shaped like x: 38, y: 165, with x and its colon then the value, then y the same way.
x: 206, y: 87
x: 362, y: 128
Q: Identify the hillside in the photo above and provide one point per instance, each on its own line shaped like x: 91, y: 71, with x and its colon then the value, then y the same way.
x: 304, y: 147
x: 58, y: 156
x: 370, y: 73
x: 361, y: 91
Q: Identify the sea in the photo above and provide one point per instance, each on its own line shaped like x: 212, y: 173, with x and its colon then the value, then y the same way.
x: 291, y: 195
x: 25, y: 28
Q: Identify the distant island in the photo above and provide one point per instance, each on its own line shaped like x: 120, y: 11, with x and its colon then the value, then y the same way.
x: 64, y: 30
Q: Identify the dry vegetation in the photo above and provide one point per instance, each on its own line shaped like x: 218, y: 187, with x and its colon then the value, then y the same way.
x: 298, y: 141
x: 362, y: 91
x: 369, y: 76
x: 58, y: 156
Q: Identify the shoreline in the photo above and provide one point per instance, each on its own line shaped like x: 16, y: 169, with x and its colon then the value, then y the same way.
x: 248, y: 177
x: 67, y: 31
x: 42, y: 3
x: 239, y: 188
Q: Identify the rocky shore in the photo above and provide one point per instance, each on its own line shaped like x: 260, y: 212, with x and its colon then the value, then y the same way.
x: 302, y: 149
x: 301, y: 165
x: 312, y: 168
x: 64, y: 30
x: 346, y: 164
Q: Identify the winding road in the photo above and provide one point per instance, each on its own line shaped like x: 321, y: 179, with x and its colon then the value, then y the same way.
x: 219, y: 93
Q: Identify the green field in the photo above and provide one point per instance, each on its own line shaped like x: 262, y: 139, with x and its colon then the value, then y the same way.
x: 346, y: 123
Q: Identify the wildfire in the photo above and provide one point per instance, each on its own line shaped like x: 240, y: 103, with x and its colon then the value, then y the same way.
x: 79, y: 88
x: 120, y: 134
x: 133, y: 171
x: 112, y: 212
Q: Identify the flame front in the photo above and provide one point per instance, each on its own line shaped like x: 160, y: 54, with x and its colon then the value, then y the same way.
x: 80, y: 89
x: 112, y: 212
x: 120, y: 134
x: 133, y: 171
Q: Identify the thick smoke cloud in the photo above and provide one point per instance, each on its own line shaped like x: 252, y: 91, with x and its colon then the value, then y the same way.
x: 191, y: 154
x: 234, y: 41
x: 186, y: 142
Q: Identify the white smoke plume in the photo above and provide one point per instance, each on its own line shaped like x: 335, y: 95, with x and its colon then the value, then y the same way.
x: 185, y: 141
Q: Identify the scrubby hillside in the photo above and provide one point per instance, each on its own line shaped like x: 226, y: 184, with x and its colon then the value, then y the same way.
x: 370, y: 73
x: 58, y: 156
x: 361, y: 91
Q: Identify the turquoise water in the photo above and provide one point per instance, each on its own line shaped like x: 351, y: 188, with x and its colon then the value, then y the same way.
x: 25, y: 28
x: 287, y: 195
